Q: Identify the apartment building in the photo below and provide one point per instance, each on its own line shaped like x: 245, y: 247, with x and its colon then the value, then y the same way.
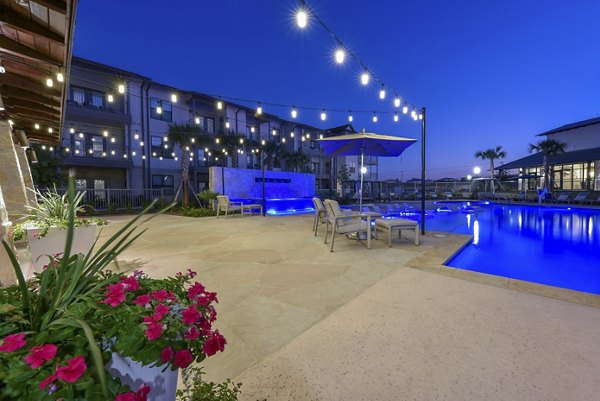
x: 114, y: 134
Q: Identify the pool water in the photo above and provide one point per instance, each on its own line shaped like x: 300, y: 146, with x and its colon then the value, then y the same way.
x: 283, y: 206
x: 556, y: 246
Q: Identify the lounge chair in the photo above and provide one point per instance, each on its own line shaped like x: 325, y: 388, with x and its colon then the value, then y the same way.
x: 563, y: 197
x: 320, y: 214
x: 580, y: 198
x: 225, y: 205
x: 594, y: 201
x: 433, y: 195
x: 448, y: 195
x: 343, y: 223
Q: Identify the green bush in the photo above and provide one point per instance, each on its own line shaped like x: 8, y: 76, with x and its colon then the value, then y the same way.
x: 198, y: 212
x: 198, y: 390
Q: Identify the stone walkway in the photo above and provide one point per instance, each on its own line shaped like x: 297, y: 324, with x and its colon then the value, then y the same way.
x: 306, y: 324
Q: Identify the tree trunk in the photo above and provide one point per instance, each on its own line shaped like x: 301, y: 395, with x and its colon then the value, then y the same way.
x: 185, y: 198
x: 546, y: 174
x: 492, y: 176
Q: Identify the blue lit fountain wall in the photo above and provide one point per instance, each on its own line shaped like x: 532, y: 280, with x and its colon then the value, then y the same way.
x: 285, y: 193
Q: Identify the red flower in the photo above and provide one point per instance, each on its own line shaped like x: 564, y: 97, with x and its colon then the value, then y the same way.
x: 48, y: 380
x: 115, y: 295
x: 206, y: 298
x: 191, y: 334
x: 195, y: 290
x: 215, y: 342
x: 130, y: 283
x: 183, y: 358
x: 166, y: 354
x: 41, y: 354
x: 142, y: 300
x: 154, y: 331
x: 13, y: 342
x: 190, y: 315
x: 125, y: 397
x: 73, y: 370
x: 191, y: 273
x: 160, y: 295
x: 161, y: 309
x: 142, y: 393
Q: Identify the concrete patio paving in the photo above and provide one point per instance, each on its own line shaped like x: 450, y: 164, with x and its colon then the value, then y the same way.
x: 306, y: 324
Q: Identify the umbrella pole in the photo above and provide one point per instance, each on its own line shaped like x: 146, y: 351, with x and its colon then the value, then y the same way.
x: 362, y: 163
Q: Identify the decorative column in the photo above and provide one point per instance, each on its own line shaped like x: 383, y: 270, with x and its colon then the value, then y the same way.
x: 11, y: 176
x: 26, y: 172
x: 7, y: 275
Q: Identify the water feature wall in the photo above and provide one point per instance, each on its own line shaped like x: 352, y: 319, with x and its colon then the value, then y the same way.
x: 247, y: 184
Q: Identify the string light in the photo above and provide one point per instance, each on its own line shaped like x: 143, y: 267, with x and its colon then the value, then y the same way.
x: 121, y: 88
x: 292, y: 134
x: 340, y: 56
x: 241, y: 141
x: 396, y: 101
x: 350, y: 118
x: 110, y: 98
x: 252, y: 129
x: 51, y: 149
x: 159, y: 108
x: 320, y: 136
x: 217, y: 140
x: 374, y: 117
x: 104, y: 133
x: 142, y: 142
x: 294, y: 112
x: 49, y: 83
x: 405, y: 108
x: 81, y: 135
x: 283, y: 140
x: 364, y: 78
x: 136, y: 136
x: 259, y: 109
x: 113, y: 140
x: 50, y: 130
x: 396, y: 117
x: 323, y: 115
x: 274, y: 132
x: 72, y: 130
x: 220, y: 105
x: 36, y: 126
x: 420, y: 116
x: 174, y: 98
x: 382, y: 92
x: 308, y: 135
x: 60, y: 77
x: 227, y: 125
x: 301, y: 18
x: 262, y: 142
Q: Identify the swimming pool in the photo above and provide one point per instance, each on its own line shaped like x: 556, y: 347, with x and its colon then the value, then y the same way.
x: 556, y: 246
x: 283, y: 206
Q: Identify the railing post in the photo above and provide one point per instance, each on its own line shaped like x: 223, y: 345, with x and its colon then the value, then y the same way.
x: 107, y: 197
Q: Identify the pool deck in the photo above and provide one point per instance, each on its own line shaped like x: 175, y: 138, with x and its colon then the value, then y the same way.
x: 382, y: 324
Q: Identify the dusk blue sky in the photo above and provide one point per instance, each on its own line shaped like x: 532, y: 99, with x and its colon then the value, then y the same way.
x: 489, y: 72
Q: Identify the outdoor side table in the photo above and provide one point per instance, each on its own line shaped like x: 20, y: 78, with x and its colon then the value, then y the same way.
x: 388, y: 226
x: 251, y: 208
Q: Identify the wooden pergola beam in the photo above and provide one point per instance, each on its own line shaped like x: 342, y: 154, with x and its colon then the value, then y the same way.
x: 15, y: 48
x: 54, y: 118
x: 33, y: 106
x: 18, y: 22
x: 59, y: 6
x: 20, y: 93
x: 19, y: 81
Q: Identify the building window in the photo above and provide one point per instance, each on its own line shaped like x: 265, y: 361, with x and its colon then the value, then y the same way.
x: 210, y: 125
x: 87, y: 97
x: 166, y: 110
x: 316, y: 168
x: 97, y: 146
x: 79, y: 147
x: 80, y: 185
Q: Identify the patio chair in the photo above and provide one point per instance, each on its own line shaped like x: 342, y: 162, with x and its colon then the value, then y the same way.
x: 225, y: 205
x: 320, y: 214
x: 595, y: 200
x: 562, y: 197
x: 343, y: 223
x: 580, y: 198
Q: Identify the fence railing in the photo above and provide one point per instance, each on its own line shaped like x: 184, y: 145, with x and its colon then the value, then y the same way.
x: 123, y: 199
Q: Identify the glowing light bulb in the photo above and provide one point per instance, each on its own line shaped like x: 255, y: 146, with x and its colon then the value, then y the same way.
x: 340, y: 56
x: 217, y: 140
x: 158, y: 109
x: 365, y: 77
x: 292, y: 134
x: 143, y: 157
x: 396, y: 117
x: 105, y: 133
x: 36, y: 126
x: 301, y: 18
x: 60, y: 77
x: 294, y: 113
x: 375, y: 118
x: 133, y: 153
x: 251, y: 129
x: 72, y: 130
x: 49, y: 83
x: 241, y: 141
x: 113, y: 140
x: 81, y: 135
x: 90, y: 151
x: 50, y: 130
x: 259, y: 109
x: 396, y: 101
x: 263, y: 142
x: 142, y: 143
x: 67, y: 149
x: 103, y: 154
x: 283, y: 140
x: 112, y: 152
x: 420, y: 116
x: 110, y: 98
x: 197, y: 120
x: 136, y: 136
x: 382, y: 92
x: 220, y: 105
x: 323, y: 115
x: 363, y: 170
x: 476, y: 170
x: 350, y: 118
x: 227, y: 125
x: 51, y: 148
x: 121, y: 88
x: 405, y: 108
x: 274, y: 131
x: 174, y: 98
x: 321, y: 136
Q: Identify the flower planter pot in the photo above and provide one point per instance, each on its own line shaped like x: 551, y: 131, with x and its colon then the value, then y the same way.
x: 163, y: 385
x: 54, y: 242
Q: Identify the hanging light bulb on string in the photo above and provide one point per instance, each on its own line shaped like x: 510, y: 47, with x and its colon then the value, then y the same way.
x: 350, y: 117
x: 174, y: 97
x: 375, y: 117
x: 60, y: 77
x: 159, y: 109
x: 301, y: 18
x: 121, y: 88
x: 323, y: 115
x: 49, y: 83
x: 396, y: 117
x: 72, y: 130
x: 36, y: 126
x: 220, y: 105
x: 365, y: 77
x: 227, y: 125
x: 382, y: 92
x: 340, y: 55
x: 110, y: 98
x: 197, y: 120
x: 259, y: 109
x: 294, y: 112
x: 420, y: 116
x: 397, y: 101
x: 405, y: 108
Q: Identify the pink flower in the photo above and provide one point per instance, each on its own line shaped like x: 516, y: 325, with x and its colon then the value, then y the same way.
x: 206, y: 298
x: 160, y: 295
x: 41, y: 354
x: 142, y: 393
x: 161, y: 309
x: 130, y: 283
x: 190, y: 315
x: 115, y: 295
x: 195, y: 290
x: 183, y: 358
x: 48, y: 380
x: 166, y: 354
x: 73, y: 370
x: 154, y: 331
x: 191, y: 334
x: 125, y: 397
x: 13, y: 342
x: 191, y: 273
x: 142, y: 300
x: 215, y: 342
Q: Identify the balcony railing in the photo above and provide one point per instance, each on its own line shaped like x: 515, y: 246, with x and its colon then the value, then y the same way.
x: 111, y: 200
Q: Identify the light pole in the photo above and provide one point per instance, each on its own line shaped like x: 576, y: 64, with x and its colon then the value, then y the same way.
x: 423, y: 127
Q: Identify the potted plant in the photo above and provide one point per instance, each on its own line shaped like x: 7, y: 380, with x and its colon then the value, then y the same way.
x: 45, y: 227
x: 65, y: 334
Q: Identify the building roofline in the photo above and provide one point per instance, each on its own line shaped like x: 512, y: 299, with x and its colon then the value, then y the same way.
x: 567, y: 127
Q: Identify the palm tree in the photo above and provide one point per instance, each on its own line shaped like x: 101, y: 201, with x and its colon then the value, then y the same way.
x: 491, y: 155
x: 549, y: 148
x: 232, y: 143
x: 186, y: 136
x: 273, y: 153
x: 298, y: 162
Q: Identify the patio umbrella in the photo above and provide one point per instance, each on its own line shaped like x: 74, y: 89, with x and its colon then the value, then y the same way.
x: 365, y: 143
